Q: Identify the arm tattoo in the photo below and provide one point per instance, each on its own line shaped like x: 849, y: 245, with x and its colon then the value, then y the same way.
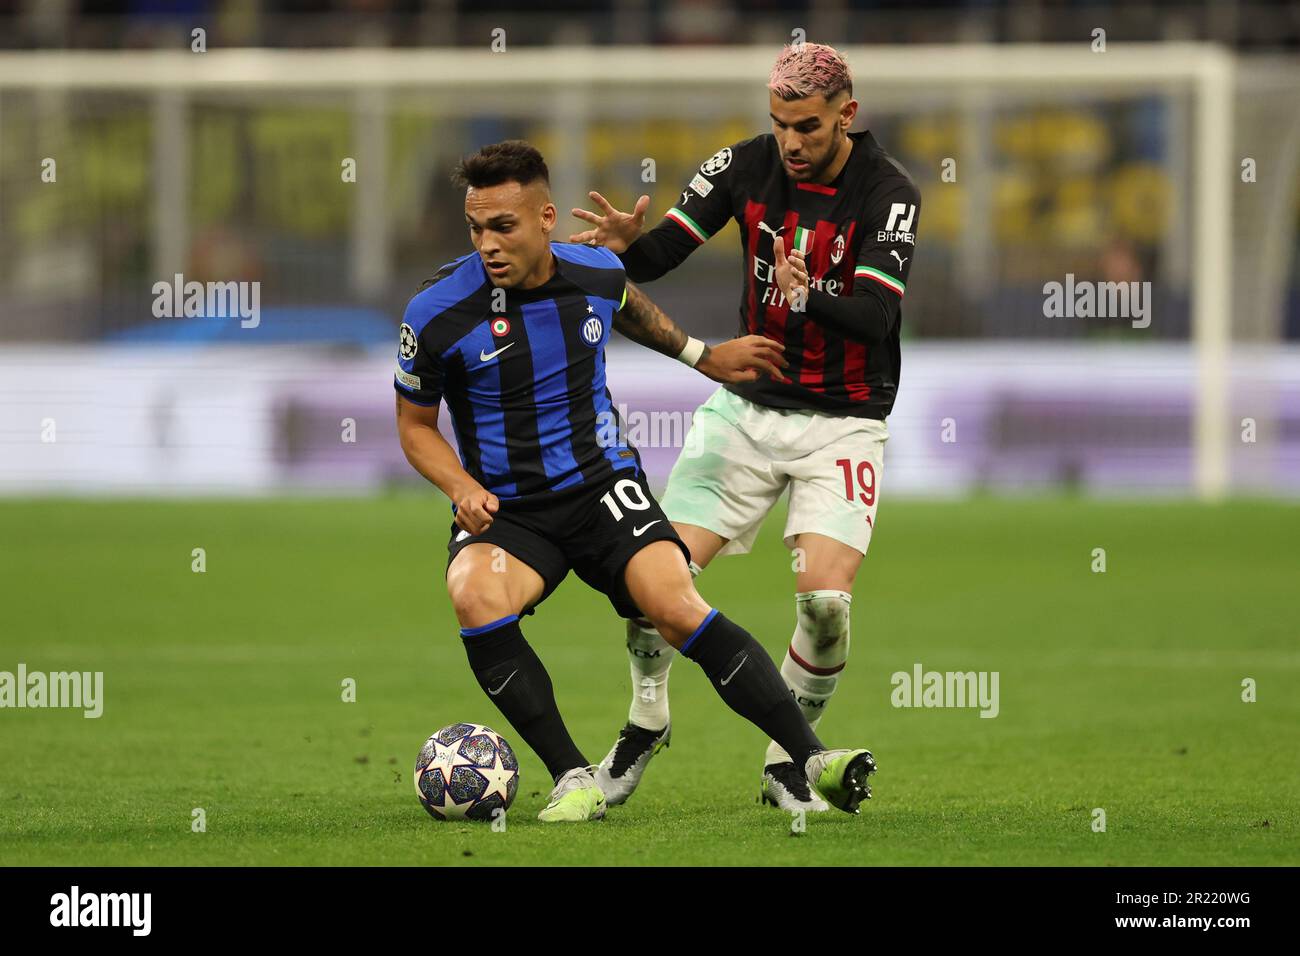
x: 645, y: 323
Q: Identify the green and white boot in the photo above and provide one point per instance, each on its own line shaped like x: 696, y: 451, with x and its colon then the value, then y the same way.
x: 840, y: 776
x: 576, y: 798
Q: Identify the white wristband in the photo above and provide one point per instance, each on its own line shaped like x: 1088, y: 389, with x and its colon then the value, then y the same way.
x: 692, y: 352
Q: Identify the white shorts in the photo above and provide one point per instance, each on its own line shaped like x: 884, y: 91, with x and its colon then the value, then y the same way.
x: 739, y: 457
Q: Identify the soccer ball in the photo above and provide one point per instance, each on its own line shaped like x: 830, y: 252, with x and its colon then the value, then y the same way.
x: 466, y: 772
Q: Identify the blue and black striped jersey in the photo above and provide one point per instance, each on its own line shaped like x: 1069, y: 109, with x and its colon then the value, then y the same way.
x: 522, y: 371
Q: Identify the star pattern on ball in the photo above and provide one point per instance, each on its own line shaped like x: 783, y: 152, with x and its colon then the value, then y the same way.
x: 452, y: 809
x: 446, y: 758
x: 497, y: 777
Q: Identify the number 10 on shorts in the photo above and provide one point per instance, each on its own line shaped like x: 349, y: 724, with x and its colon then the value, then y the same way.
x: 630, y: 493
x: 866, y: 481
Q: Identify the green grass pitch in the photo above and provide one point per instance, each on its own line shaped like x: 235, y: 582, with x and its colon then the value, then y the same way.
x: 1120, y: 691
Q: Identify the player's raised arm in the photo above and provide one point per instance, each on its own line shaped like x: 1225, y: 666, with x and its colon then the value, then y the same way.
x: 703, y: 208
x: 737, y: 360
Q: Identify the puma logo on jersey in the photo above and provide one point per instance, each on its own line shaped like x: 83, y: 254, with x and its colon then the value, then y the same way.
x: 764, y: 227
x: 900, y: 259
x: 486, y: 356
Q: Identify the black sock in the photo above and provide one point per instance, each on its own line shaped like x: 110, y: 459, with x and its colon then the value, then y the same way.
x: 745, y: 677
x: 515, y: 680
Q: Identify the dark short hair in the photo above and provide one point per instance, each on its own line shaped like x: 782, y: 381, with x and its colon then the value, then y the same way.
x: 510, y: 161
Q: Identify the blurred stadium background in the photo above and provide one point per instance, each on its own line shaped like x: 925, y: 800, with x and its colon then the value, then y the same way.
x: 1121, y: 690
x: 225, y: 165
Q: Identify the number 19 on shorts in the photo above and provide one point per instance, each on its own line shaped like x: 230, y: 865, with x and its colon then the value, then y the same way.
x: 865, y: 475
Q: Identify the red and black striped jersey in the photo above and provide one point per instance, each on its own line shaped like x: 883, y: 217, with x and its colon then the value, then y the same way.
x: 858, y: 234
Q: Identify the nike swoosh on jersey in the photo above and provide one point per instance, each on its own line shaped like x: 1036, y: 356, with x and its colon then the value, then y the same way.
x: 489, y: 356
x: 637, y: 532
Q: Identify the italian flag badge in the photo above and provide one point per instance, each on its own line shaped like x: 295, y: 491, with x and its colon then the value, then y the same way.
x: 802, y: 240
x: 500, y: 327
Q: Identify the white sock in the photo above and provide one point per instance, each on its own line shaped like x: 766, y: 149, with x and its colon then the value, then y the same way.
x: 817, y: 654
x: 651, y: 657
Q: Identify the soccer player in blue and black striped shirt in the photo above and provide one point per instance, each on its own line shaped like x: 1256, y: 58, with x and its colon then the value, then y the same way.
x: 512, y: 338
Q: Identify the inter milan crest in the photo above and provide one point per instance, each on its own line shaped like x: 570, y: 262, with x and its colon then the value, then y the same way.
x: 500, y: 327
x: 407, y: 342
x: 592, y: 330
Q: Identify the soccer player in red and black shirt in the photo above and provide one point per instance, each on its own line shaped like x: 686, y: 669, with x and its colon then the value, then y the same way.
x: 828, y: 226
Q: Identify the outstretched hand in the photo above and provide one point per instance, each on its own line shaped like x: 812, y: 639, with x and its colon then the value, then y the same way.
x: 614, y: 230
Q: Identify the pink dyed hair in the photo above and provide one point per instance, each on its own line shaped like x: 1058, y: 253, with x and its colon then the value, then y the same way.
x: 807, y: 68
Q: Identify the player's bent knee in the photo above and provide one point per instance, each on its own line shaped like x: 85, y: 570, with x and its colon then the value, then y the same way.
x: 675, y: 613
x: 478, y: 596
x: 703, y: 544
x: 474, y: 608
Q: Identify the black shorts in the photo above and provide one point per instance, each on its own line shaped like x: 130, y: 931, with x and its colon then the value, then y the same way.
x: 594, y: 530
